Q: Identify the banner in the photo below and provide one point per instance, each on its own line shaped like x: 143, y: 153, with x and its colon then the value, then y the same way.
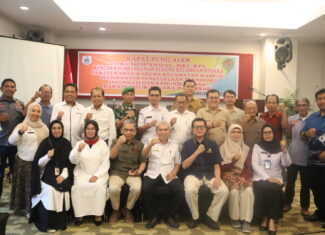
x: 113, y: 71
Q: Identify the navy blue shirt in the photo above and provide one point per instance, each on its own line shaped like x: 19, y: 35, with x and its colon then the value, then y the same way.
x: 203, y: 165
x: 316, y: 144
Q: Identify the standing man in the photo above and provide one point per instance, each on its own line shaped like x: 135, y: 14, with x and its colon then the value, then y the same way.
x: 45, y: 93
x: 70, y: 113
x: 127, y: 166
x: 127, y: 110
x: 217, y: 119
x: 195, y: 103
x: 180, y: 120
x: 273, y: 117
x: 151, y: 115
x: 236, y: 114
x: 201, y: 163
x: 11, y: 114
x: 298, y: 151
x: 164, y: 164
x: 102, y: 114
x: 252, y: 124
x: 314, y: 132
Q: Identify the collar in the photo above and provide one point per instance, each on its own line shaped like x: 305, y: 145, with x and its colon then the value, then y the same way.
x: 197, y: 143
x: 43, y: 105
x: 2, y: 98
x: 65, y: 103
x: 277, y: 114
x: 93, y: 107
x: 319, y: 114
x: 152, y: 108
x: 208, y: 110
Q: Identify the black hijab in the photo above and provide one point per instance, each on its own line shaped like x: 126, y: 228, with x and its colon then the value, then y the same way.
x: 272, y: 146
x: 60, y: 160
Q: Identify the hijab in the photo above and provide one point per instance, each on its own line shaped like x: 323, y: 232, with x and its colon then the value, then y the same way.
x: 230, y: 147
x: 38, y: 126
x: 93, y: 140
x: 272, y: 146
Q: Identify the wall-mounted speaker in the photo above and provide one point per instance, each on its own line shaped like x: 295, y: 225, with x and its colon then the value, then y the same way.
x: 283, y: 52
x: 35, y: 35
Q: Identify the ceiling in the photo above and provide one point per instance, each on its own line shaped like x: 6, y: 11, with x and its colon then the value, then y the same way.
x: 46, y: 15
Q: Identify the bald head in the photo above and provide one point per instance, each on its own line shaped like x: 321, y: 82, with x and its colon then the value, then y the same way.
x: 251, y: 108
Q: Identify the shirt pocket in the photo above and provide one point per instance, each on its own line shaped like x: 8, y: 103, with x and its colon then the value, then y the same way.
x: 103, y: 123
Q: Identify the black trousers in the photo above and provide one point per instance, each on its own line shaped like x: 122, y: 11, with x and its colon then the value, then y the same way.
x: 268, y: 199
x: 148, y: 195
x: 6, y: 152
x: 293, y: 170
x: 317, y: 185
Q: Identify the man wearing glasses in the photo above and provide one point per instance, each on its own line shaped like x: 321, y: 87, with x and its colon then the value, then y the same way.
x: 201, y: 163
x: 151, y: 115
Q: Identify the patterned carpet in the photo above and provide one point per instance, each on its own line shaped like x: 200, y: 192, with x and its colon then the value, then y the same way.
x: 292, y: 223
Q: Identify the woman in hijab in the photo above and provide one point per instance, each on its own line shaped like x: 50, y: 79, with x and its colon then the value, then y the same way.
x: 268, y: 156
x: 236, y: 173
x: 27, y: 136
x: 89, y: 191
x: 51, y: 181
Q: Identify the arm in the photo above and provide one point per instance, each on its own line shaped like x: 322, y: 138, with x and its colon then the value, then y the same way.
x: 284, y: 118
x: 112, y: 127
x: 289, y: 131
x: 119, y: 123
x: 15, y: 137
x: 285, y: 159
x: 259, y: 170
x: 116, y: 147
x: 141, y: 168
x: 147, y: 149
x: 189, y: 161
x: 104, y: 166
x: 43, y: 161
x: 74, y: 155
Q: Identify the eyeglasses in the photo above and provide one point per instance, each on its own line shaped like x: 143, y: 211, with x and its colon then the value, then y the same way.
x: 268, y: 133
x: 198, y: 127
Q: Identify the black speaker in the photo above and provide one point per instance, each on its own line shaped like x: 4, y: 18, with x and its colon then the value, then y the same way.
x: 35, y: 35
x: 283, y: 52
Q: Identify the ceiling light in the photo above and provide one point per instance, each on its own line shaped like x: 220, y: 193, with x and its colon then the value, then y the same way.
x: 24, y: 8
x: 102, y: 29
x: 262, y: 34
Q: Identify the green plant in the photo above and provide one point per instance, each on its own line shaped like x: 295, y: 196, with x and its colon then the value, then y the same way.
x: 290, y: 101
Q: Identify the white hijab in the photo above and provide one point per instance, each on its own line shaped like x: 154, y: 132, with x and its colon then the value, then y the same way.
x: 230, y: 147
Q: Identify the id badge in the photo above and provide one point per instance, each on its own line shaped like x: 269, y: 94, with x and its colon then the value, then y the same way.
x: 267, y: 164
x: 57, y: 171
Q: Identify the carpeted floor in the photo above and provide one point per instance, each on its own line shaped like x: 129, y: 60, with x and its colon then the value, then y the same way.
x: 292, y: 223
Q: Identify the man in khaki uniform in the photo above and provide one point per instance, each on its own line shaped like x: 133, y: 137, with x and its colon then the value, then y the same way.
x: 127, y: 166
x: 194, y: 103
x: 218, y: 120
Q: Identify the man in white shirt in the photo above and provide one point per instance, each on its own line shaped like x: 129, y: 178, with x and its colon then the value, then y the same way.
x: 180, y: 120
x: 163, y: 166
x: 70, y: 113
x: 151, y: 115
x: 102, y: 114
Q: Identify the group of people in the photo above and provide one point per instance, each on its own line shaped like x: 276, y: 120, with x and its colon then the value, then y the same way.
x: 65, y: 153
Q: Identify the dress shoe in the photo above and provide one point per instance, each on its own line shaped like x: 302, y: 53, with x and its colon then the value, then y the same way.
x: 193, y: 223
x: 98, y: 223
x: 304, y: 212
x: 287, y: 208
x: 152, y: 223
x: 128, y: 215
x: 235, y: 223
x: 210, y: 223
x: 171, y: 222
x: 78, y: 222
x: 263, y: 228
x: 312, y: 218
x: 272, y: 232
x: 115, y: 216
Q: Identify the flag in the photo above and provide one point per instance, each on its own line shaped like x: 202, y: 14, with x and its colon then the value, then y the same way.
x: 67, y: 70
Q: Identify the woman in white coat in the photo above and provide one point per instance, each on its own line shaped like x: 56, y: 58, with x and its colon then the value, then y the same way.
x: 89, y: 191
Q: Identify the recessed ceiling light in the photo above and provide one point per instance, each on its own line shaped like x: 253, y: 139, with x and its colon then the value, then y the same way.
x: 262, y: 34
x: 24, y: 8
x: 102, y: 29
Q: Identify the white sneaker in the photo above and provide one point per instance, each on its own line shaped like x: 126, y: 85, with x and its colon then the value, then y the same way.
x: 51, y: 230
x: 246, y: 227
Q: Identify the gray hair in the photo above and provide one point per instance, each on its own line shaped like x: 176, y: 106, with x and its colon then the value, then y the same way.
x: 129, y: 122
x: 163, y: 123
x: 303, y: 99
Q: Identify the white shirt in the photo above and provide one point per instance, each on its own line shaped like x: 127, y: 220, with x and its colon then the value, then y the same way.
x: 105, y: 118
x: 27, y: 143
x: 162, y: 160
x: 147, y: 115
x: 276, y: 160
x: 72, y: 120
x: 181, y: 131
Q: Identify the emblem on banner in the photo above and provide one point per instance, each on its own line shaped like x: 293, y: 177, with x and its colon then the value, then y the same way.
x: 86, y: 60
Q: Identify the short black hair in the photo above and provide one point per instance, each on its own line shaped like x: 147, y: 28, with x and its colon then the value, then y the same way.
x: 229, y: 92
x: 45, y: 85
x: 189, y: 80
x: 154, y: 88
x: 7, y: 80
x: 181, y: 95
x: 212, y: 91
x: 319, y: 92
x: 276, y: 97
x: 97, y: 89
x: 72, y: 85
x: 199, y: 120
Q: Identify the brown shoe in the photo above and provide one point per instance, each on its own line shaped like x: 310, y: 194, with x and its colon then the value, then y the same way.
x: 115, y: 216
x: 287, y: 207
x: 304, y: 212
x: 128, y: 215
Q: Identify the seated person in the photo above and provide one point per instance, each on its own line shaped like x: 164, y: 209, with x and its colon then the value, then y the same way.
x: 236, y: 173
x: 267, y: 158
x: 91, y: 157
x: 163, y: 166
x: 200, y: 161
x: 127, y: 167
x: 51, y: 181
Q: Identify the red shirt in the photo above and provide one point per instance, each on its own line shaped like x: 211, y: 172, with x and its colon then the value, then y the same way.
x: 275, y: 121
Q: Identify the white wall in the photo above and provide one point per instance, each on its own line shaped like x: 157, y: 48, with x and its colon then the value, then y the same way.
x: 10, y: 28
